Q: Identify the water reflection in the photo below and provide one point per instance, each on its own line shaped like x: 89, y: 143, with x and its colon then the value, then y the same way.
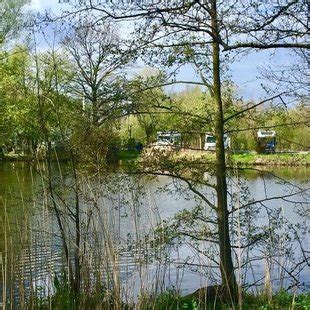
x: 30, y: 237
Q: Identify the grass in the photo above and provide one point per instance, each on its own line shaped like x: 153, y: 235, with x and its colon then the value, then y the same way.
x: 172, y: 301
x: 282, y: 300
x: 127, y: 155
x: 279, y: 159
x: 253, y: 159
x: 245, y: 159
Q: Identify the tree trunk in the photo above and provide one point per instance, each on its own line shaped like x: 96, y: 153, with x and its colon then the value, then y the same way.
x: 95, y: 117
x: 95, y: 106
x: 226, y: 264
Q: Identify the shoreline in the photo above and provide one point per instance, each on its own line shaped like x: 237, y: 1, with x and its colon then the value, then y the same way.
x: 301, y: 159
x: 280, y: 159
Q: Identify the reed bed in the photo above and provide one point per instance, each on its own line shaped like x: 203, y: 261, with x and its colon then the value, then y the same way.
x: 124, y: 254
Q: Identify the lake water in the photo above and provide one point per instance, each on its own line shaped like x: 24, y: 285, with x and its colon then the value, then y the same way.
x: 130, y: 207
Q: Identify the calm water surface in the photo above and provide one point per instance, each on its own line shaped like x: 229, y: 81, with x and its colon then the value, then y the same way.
x: 20, y: 208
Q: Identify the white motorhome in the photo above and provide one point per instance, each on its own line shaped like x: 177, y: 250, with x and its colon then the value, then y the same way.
x: 266, y: 141
x: 210, y: 142
x: 168, y: 138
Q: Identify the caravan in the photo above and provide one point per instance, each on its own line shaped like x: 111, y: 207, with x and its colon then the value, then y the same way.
x: 168, y: 138
x: 210, y: 142
x: 266, y: 141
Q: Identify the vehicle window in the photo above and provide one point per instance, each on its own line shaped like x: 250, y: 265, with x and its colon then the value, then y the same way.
x: 210, y: 139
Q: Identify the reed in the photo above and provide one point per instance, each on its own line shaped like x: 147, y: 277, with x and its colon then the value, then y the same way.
x: 128, y: 254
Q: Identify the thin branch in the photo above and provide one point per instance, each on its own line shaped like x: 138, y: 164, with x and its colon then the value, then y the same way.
x: 265, y: 46
x: 251, y: 107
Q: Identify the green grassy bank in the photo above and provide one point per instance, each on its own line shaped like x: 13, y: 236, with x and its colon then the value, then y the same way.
x: 280, y: 159
x: 253, y: 159
x: 282, y: 300
x: 172, y: 301
x: 245, y: 159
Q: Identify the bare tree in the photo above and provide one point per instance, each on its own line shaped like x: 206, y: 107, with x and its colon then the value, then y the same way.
x: 97, y: 58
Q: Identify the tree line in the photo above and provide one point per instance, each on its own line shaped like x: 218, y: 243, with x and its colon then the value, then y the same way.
x: 119, y: 106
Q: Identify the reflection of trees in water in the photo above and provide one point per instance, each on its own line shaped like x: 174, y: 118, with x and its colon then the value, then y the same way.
x: 131, y: 241
x: 269, y: 236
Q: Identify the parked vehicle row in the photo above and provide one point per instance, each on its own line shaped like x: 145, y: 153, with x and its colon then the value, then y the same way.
x: 266, y: 141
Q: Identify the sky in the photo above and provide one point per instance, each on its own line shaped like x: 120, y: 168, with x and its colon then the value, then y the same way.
x: 245, y: 73
x: 41, y: 5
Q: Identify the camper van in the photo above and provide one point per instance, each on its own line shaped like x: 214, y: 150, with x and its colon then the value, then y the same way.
x: 266, y: 141
x: 168, y: 138
x: 210, y: 142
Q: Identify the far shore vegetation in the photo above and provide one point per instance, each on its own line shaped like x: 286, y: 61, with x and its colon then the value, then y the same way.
x: 292, y: 159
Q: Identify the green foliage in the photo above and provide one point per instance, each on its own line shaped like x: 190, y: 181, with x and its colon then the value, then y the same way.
x: 100, y: 145
x: 282, y: 300
x: 64, y: 299
x: 28, y: 119
x: 292, y: 132
x: 63, y: 295
x: 271, y: 159
x: 128, y: 154
x: 11, y: 17
x: 193, y: 111
x: 295, y: 136
x: 152, y: 107
x: 169, y: 300
x: 16, y: 105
